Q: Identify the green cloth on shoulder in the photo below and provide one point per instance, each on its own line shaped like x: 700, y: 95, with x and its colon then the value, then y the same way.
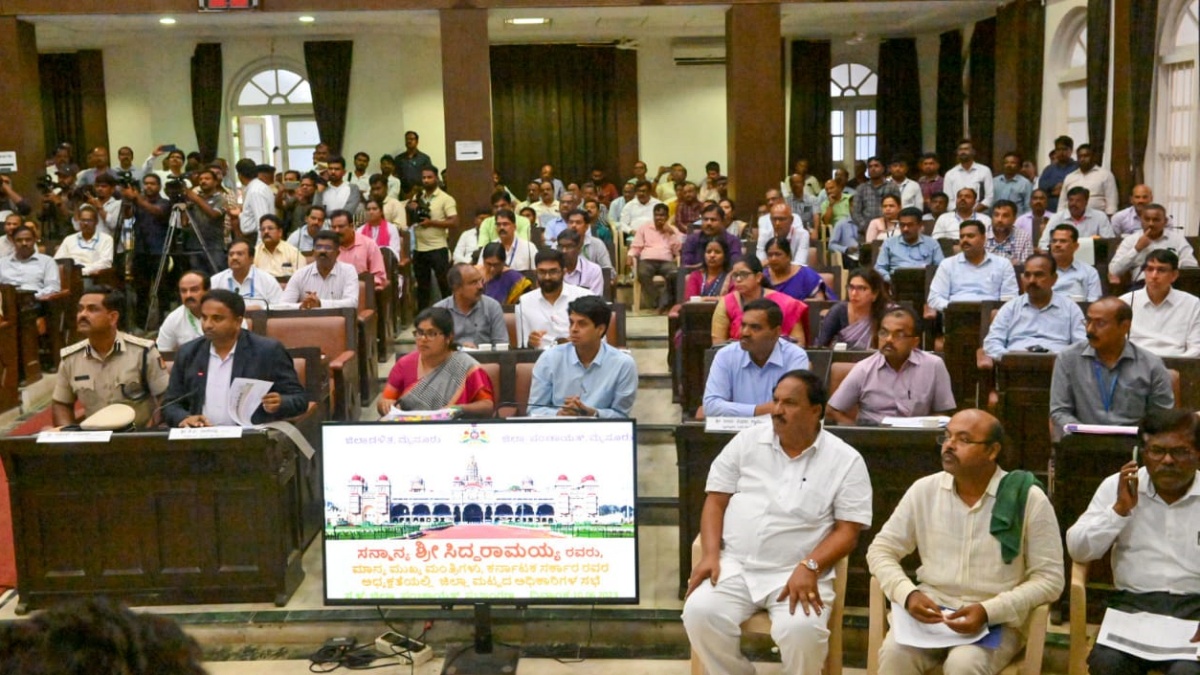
x: 1008, y: 516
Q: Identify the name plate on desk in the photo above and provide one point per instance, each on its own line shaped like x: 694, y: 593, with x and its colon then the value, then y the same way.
x: 75, y: 437
x: 203, y: 433
x: 734, y: 424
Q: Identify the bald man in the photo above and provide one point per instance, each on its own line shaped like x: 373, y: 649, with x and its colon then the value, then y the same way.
x: 1128, y: 220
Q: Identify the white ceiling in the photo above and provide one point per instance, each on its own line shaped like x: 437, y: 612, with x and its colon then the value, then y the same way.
x: 836, y: 20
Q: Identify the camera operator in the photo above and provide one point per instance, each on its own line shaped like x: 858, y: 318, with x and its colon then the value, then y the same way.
x: 150, y: 213
x: 10, y: 199
x: 99, y: 162
x: 175, y: 162
x: 206, y: 213
x: 125, y: 164
x: 296, y: 204
x: 101, y: 197
x: 57, y: 206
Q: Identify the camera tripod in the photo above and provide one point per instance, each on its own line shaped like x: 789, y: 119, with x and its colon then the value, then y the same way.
x: 174, y: 226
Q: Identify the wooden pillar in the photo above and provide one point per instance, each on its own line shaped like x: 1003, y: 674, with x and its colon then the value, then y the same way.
x: 626, y: 85
x: 19, y: 89
x: 467, y: 101
x: 754, y: 102
x: 1008, y: 83
x: 1120, y: 158
x: 95, y: 102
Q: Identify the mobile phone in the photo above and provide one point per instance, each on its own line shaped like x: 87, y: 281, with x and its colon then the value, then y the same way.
x: 170, y: 148
x: 291, y: 184
x: 1137, y: 451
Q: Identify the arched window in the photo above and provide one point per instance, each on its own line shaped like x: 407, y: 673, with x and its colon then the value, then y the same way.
x: 273, y: 110
x: 852, y: 117
x: 1071, y: 59
x: 1176, y: 180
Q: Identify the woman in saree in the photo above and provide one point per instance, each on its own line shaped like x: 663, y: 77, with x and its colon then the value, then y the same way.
x: 856, y: 320
x: 798, y: 281
x: 436, y: 375
x: 747, y: 276
x: 500, y: 283
x: 711, y: 281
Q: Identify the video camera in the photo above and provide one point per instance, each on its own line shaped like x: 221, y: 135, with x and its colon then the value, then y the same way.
x: 175, y: 190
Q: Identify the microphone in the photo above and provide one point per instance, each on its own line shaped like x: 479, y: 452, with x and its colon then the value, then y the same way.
x: 178, y: 399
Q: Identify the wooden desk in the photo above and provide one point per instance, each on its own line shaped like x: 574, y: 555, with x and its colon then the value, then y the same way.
x: 152, y: 522
x: 695, y: 320
x: 895, y: 459
x: 962, y: 323
x: 1081, y: 463
x: 1023, y: 385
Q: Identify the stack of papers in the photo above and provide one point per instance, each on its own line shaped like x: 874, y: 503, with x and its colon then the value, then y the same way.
x: 1112, y: 429
x: 927, y: 422
x: 913, y: 633
x: 1149, y: 636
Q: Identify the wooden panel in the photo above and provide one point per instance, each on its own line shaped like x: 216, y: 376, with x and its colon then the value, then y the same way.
x: 466, y: 62
x: 95, y: 105
x: 962, y: 321
x: 152, y: 522
x: 754, y: 102
x: 695, y: 320
x: 1023, y: 382
x: 20, y: 91
x: 626, y: 91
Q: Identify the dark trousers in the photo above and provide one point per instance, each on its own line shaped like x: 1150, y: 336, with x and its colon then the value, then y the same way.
x: 1108, y: 661
x: 145, y: 268
x: 196, y: 260
x: 425, y: 262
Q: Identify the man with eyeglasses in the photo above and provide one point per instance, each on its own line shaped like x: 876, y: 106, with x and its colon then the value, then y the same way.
x: 897, y: 381
x: 743, y: 376
x: 990, y: 548
x: 1108, y: 379
x: 109, y: 366
x: 1148, y: 516
x: 1038, y: 321
x: 478, y: 319
x: 1166, y: 320
x: 326, y: 281
x: 542, y: 317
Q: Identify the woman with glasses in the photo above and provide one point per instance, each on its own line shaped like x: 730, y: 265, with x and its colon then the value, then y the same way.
x: 799, y: 281
x: 855, y: 320
x: 436, y: 375
x: 502, y: 284
x: 747, y: 277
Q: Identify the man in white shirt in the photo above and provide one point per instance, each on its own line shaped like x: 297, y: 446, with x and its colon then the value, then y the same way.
x: 182, y: 325
x: 340, y: 193
x: 984, y: 561
x: 1128, y: 221
x: 273, y: 255
x: 254, y: 285
x: 325, y: 282
x: 87, y: 247
x: 1101, y: 185
x: 1088, y: 222
x: 547, y: 204
x: 946, y: 226
x: 11, y: 222
x: 910, y: 190
x: 785, y: 502
x: 640, y: 210
x: 1166, y: 320
x: 359, y: 178
x: 518, y: 253
x: 970, y: 174
x: 542, y: 319
x: 1148, y: 516
x: 1134, y: 251
x: 257, y: 200
x: 781, y: 222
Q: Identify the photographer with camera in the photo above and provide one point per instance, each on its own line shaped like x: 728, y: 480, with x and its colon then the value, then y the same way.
x: 175, y: 164
x: 295, y: 202
x: 57, y: 207
x: 98, y: 160
x: 150, y: 213
x: 10, y: 199
x: 435, y: 213
x: 101, y: 196
x: 206, y: 214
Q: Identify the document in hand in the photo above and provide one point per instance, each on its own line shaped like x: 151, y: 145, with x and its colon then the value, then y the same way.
x: 245, y: 395
x: 913, y: 633
x: 1149, y: 636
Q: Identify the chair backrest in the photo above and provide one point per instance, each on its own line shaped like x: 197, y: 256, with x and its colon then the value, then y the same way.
x: 616, y: 326
x: 510, y: 322
x: 838, y: 373
x: 610, y: 290
x: 494, y: 371
x: 524, y: 377
x: 333, y: 331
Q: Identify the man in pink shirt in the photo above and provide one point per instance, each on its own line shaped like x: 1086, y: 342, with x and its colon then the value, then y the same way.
x: 358, y: 250
x: 655, y: 249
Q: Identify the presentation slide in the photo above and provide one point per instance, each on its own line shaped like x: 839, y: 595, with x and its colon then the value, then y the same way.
x: 453, y: 512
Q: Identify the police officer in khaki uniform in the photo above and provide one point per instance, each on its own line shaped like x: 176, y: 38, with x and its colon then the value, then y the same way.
x: 109, y: 366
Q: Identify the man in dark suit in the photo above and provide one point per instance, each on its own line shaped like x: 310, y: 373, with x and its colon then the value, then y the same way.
x: 205, y: 367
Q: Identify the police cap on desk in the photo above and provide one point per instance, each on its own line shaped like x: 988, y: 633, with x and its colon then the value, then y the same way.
x: 115, y: 417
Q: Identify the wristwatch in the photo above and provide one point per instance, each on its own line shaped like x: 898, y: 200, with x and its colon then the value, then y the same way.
x: 811, y: 564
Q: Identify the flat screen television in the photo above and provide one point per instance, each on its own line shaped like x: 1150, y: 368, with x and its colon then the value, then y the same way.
x: 501, y: 512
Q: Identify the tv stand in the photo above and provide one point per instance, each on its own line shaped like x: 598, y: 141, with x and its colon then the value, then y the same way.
x: 484, y: 657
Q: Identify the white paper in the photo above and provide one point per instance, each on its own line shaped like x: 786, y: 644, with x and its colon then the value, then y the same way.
x: 74, y: 437
x: 468, y: 151
x: 913, y: 633
x: 1111, y: 429
x: 203, y: 433
x: 245, y: 395
x: 927, y: 422
x: 734, y: 423
x: 8, y: 161
x: 1149, y: 636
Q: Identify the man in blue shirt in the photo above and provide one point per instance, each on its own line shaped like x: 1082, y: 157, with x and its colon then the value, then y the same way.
x: 1040, y: 320
x: 584, y: 377
x: 1053, y: 175
x: 1012, y: 186
x: 972, y: 275
x: 912, y: 248
x: 742, y: 378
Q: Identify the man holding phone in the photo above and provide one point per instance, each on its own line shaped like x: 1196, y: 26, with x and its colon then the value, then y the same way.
x: 1149, y: 516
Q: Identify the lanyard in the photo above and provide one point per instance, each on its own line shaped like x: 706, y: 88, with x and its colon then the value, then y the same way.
x: 191, y: 320
x: 233, y: 285
x: 512, y: 255
x: 95, y: 241
x: 1106, y: 398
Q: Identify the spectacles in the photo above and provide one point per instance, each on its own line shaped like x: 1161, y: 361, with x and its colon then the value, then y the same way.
x: 431, y: 334
x: 1179, y: 453
x: 738, y: 276
x: 943, y: 439
x: 860, y: 289
x: 886, y: 334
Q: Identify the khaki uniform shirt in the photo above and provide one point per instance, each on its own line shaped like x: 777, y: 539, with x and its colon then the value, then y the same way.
x: 101, y: 380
